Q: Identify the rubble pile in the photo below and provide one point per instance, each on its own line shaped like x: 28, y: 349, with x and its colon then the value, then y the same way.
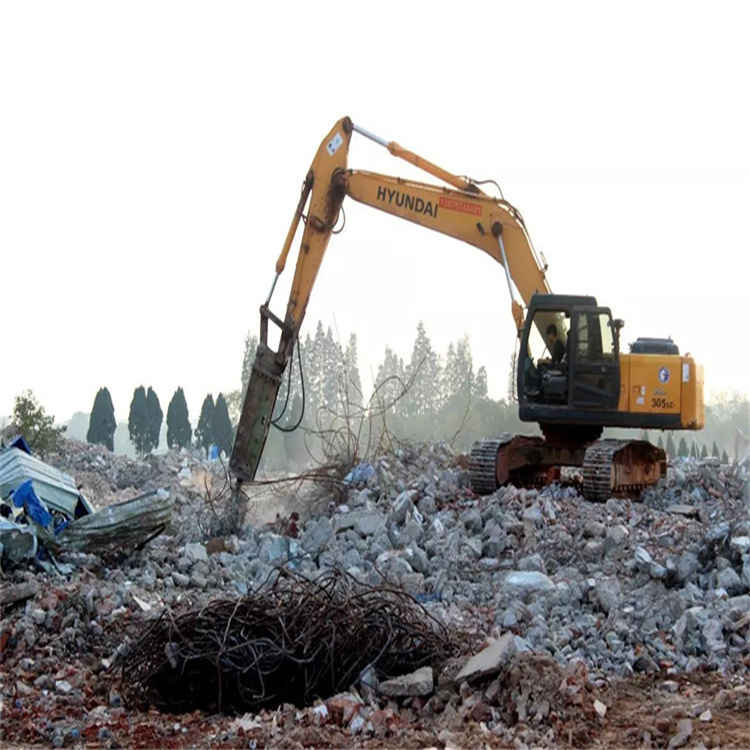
x: 568, y: 596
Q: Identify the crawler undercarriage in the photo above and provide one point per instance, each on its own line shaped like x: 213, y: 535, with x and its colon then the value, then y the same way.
x: 611, y: 468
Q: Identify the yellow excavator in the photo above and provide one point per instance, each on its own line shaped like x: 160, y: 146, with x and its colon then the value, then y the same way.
x: 572, y: 379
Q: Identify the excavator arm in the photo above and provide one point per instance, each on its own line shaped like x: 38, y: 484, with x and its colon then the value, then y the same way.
x: 461, y: 211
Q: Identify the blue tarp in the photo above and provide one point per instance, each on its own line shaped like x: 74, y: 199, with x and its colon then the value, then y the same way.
x: 21, y: 444
x: 25, y: 497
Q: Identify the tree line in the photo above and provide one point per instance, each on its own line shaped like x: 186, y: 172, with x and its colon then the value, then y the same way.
x: 695, y: 451
x: 426, y: 396
x: 145, y: 421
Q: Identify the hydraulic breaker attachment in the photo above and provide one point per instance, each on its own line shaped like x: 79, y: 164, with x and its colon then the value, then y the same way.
x: 257, y: 412
x: 260, y: 398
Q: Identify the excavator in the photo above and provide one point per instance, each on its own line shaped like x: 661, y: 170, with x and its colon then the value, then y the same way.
x: 586, y: 385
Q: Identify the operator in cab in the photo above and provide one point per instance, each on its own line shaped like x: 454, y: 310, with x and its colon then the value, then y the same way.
x: 555, y: 346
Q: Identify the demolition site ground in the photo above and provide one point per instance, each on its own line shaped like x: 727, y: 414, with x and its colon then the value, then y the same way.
x: 389, y: 608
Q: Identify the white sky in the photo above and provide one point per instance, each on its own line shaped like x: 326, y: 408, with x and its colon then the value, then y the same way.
x: 151, y: 156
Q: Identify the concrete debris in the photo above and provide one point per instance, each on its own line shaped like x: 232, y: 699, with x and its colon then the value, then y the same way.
x: 17, y: 542
x: 489, y: 661
x: 12, y: 593
x: 31, y: 488
x: 565, y: 595
x: 684, y: 732
x: 416, y: 683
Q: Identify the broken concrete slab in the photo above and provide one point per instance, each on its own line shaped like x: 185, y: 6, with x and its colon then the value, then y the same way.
x: 525, y: 582
x: 489, y: 661
x: 17, y: 542
x: 13, y: 593
x: 417, y: 683
x: 684, y: 510
x: 365, y: 523
x: 195, y: 551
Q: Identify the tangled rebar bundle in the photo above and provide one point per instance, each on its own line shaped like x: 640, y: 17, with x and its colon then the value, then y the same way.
x: 292, y: 641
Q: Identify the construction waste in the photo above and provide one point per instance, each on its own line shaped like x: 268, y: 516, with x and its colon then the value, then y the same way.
x: 44, y: 512
x: 541, y: 618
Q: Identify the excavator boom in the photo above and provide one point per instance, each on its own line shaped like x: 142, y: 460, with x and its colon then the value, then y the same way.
x: 462, y: 211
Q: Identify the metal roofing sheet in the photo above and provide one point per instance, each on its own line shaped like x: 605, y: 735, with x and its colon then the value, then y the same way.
x: 127, y: 524
x: 57, y: 489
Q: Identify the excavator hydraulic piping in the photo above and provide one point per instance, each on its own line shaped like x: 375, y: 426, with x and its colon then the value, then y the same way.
x: 273, y: 286
x: 371, y: 136
x: 500, y: 242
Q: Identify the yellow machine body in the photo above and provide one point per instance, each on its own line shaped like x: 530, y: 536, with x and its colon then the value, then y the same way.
x: 663, y: 384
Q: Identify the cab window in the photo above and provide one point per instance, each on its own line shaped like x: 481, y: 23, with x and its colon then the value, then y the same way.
x: 595, y: 339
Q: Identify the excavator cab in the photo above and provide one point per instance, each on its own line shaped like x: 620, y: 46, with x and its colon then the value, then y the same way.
x: 586, y: 382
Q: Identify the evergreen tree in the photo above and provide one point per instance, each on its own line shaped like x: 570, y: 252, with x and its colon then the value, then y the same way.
x: 424, y: 375
x: 138, y: 421
x: 660, y: 443
x: 223, y: 434
x: 465, y: 364
x: 390, y: 383
x: 451, y: 377
x: 294, y: 441
x: 480, y: 384
x: 251, y: 346
x: 102, y: 423
x: 332, y: 371
x: 645, y: 436
x: 179, y: 431
x: 704, y: 452
x: 715, y: 450
x: 670, y: 446
x: 155, y: 418
x: 353, y: 382
x: 458, y: 373
x: 204, y: 432
x: 317, y: 357
x: 724, y: 457
x: 682, y: 450
x: 306, y: 352
x: 693, y: 452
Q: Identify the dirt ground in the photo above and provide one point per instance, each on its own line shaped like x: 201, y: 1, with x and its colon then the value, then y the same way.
x: 640, y: 712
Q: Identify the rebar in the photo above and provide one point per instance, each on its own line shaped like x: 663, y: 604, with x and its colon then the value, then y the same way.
x: 292, y: 641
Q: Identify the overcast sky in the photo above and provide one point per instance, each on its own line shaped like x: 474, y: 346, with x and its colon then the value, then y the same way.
x: 152, y: 153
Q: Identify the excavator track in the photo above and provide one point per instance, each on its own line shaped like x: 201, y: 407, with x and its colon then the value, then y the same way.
x: 617, y: 468
x: 611, y: 468
x: 597, y: 470
x: 483, y: 464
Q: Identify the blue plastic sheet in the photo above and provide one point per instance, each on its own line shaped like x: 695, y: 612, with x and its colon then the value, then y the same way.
x: 434, y: 597
x: 360, y: 474
x: 21, y: 444
x: 25, y: 497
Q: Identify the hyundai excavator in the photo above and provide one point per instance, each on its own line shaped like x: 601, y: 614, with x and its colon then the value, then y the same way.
x: 572, y: 397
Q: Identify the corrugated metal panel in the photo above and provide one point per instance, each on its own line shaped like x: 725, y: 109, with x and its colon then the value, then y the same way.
x: 126, y: 525
x: 55, y: 488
